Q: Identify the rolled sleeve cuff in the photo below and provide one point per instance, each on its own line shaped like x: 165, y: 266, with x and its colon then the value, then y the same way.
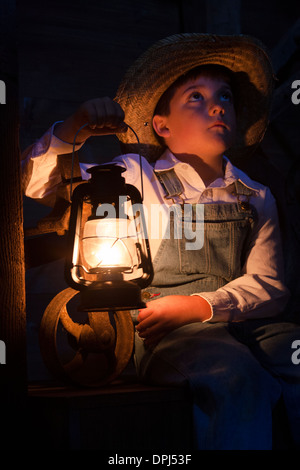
x: 222, y: 308
x: 50, y: 142
x: 39, y: 166
x: 210, y: 304
x: 227, y: 307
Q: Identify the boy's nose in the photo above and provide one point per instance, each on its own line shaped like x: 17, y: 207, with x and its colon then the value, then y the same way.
x: 216, y: 108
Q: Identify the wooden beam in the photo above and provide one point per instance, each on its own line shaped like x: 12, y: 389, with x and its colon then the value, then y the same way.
x: 12, y: 273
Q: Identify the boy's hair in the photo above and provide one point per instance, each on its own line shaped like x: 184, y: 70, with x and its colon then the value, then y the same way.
x: 211, y: 71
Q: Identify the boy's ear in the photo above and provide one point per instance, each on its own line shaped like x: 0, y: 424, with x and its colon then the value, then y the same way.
x: 160, y: 125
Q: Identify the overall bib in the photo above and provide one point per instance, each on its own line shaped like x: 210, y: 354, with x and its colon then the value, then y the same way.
x: 181, y: 269
x: 233, y: 395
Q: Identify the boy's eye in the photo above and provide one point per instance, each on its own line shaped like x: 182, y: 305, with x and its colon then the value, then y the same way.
x: 196, y: 96
x: 227, y: 96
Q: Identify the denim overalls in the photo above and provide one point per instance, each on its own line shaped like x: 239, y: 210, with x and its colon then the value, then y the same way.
x: 181, y: 269
x: 233, y: 394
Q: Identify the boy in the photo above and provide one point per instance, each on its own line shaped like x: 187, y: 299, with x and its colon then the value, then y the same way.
x: 191, y: 99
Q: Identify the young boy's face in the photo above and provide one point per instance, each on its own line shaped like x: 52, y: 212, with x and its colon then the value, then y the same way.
x: 202, y: 119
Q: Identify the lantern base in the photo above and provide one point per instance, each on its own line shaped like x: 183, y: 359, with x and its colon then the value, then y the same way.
x: 111, y: 295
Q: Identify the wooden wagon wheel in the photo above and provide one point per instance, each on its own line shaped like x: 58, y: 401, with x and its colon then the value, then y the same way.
x: 101, y: 346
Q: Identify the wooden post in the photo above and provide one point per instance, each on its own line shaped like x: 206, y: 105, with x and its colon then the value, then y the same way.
x: 13, y: 380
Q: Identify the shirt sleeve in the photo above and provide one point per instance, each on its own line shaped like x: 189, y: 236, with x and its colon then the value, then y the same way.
x: 260, y: 291
x: 40, y: 174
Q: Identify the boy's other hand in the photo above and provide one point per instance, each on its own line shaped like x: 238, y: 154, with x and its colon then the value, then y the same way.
x: 168, y: 313
x: 103, y: 116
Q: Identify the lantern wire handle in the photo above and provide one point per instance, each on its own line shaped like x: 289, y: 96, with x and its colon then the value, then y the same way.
x: 139, y: 153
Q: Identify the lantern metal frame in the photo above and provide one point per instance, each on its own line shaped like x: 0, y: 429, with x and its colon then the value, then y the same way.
x: 103, y: 290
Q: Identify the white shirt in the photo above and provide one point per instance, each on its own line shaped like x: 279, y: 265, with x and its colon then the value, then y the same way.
x: 258, y: 292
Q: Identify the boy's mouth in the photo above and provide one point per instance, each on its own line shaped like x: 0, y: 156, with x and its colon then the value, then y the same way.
x: 219, y: 124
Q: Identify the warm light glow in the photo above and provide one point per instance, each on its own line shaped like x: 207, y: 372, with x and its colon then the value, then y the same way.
x: 107, y: 243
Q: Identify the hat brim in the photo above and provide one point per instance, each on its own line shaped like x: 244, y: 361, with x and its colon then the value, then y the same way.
x: 150, y: 76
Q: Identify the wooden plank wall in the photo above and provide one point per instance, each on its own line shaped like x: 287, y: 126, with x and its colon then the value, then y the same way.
x: 72, y: 51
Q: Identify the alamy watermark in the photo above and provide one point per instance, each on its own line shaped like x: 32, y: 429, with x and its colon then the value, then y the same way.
x: 2, y: 352
x: 2, y: 92
x: 186, y: 222
x: 296, y: 354
x: 296, y: 94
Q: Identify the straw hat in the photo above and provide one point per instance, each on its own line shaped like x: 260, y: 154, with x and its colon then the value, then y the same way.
x: 149, y: 77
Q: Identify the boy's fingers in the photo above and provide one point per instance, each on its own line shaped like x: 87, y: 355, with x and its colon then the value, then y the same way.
x: 103, y: 130
x: 103, y: 116
x: 92, y: 116
x: 114, y: 112
x: 149, y: 325
x: 144, y: 313
x: 109, y: 113
x: 152, y: 331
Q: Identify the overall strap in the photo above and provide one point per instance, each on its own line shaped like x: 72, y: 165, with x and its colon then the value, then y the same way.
x: 239, y: 189
x: 173, y: 189
x: 170, y: 182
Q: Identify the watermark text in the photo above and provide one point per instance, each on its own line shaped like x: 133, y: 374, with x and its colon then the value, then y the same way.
x: 2, y: 92
x: 2, y: 352
x: 167, y: 460
x: 296, y: 354
x: 296, y: 94
x: 159, y: 221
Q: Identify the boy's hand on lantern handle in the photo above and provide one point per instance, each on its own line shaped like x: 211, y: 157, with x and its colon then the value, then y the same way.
x: 168, y: 313
x: 103, y: 116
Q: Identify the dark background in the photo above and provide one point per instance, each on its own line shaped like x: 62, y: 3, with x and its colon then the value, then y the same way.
x: 72, y: 51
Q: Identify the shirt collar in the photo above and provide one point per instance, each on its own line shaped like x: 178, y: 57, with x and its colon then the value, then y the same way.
x: 231, y: 174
